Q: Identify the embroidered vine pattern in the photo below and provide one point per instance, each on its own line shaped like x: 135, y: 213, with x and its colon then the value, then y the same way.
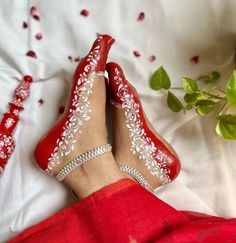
x: 9, y: 122
x: 80, y: 112
x: 22, y: 92
x: 7, y: 146
x: 155, y: 159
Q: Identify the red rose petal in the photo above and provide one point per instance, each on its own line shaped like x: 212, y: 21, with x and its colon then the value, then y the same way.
x: 70, y: 58
x: 24, y: 25
x: 39, y: 36
x: 36, y: 17
x: 34, y: 13
x: 41, y: 101
x: 152, y: 58
x: 77, y: 59
x: 84, y: 12
x: 136, y: 53
x: 33, y: 10
x: 31, y: 54
x: 141, y: 16
x: 194, y: 59
x: 61, y: 109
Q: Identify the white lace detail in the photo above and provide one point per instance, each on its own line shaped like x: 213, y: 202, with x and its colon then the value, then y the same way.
x: 80, y: 112
x: 155, y: 159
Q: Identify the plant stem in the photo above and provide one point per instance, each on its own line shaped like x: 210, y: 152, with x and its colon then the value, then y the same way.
x: 219, y: 89
x: 224, y: 108
x: 202, y: 77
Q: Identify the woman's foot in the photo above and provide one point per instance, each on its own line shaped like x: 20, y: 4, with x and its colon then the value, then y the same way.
x: 135, y: 142
x: 82, y: 127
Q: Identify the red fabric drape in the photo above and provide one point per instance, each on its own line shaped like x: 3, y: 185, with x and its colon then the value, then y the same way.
x: 125, y: 212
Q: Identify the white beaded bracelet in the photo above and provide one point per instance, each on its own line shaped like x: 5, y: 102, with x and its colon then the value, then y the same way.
x: 81, y: 159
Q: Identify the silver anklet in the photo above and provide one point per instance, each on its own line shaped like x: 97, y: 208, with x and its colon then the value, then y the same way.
x: 81, y: 159
x: 137, y: 176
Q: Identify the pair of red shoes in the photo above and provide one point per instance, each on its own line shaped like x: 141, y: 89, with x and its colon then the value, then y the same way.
x: 59, y: 141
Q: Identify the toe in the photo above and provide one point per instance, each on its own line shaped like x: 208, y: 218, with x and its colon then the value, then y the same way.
x: 96, y: 59
x: 101, y: 48
x: 118, y: 84
x: 118, y: 88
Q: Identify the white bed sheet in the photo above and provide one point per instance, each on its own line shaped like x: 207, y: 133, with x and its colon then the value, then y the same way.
x: 173, y: 32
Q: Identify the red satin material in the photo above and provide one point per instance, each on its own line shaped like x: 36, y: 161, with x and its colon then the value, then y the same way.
x: 126, y: 212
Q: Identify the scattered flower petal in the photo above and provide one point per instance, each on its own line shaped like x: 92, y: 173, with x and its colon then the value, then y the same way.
x: 36, y: 17
x: 77, y: 59
x: 70, y: 58
x: 152, y: 58
x: 24, y: 25
x: 28, y: 78
x: 41, y: 101
x: 84, y: 12
x: 31, y: 54
x: 39, y: 36
x: 141, y: 16
x: 194, y: 59
x: 33, y: 10
x: 34, y: 13
x: 61, y: 109
x: 136, y: 53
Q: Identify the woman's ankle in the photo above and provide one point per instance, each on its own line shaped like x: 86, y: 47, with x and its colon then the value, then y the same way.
x: 94, y: 175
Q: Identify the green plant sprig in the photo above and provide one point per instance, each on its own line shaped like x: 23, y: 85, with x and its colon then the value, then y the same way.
x: 203, y: 95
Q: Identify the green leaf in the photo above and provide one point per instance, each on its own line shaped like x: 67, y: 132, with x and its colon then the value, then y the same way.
x: 231, y: 119
x: 160, y: 79
x: 189, y: 98
x: 189, y: 106
x: 204, y: 110
x: 214, y: 76
x: 205, y: 106
x: 189, y: 85
x: 205, y: 103
x: 231, y: 89
x: 173, y: 102
x: 226, y: 127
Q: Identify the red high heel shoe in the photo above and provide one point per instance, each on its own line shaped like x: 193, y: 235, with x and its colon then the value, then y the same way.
x: 59, y: 140
x: 158, y: 158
